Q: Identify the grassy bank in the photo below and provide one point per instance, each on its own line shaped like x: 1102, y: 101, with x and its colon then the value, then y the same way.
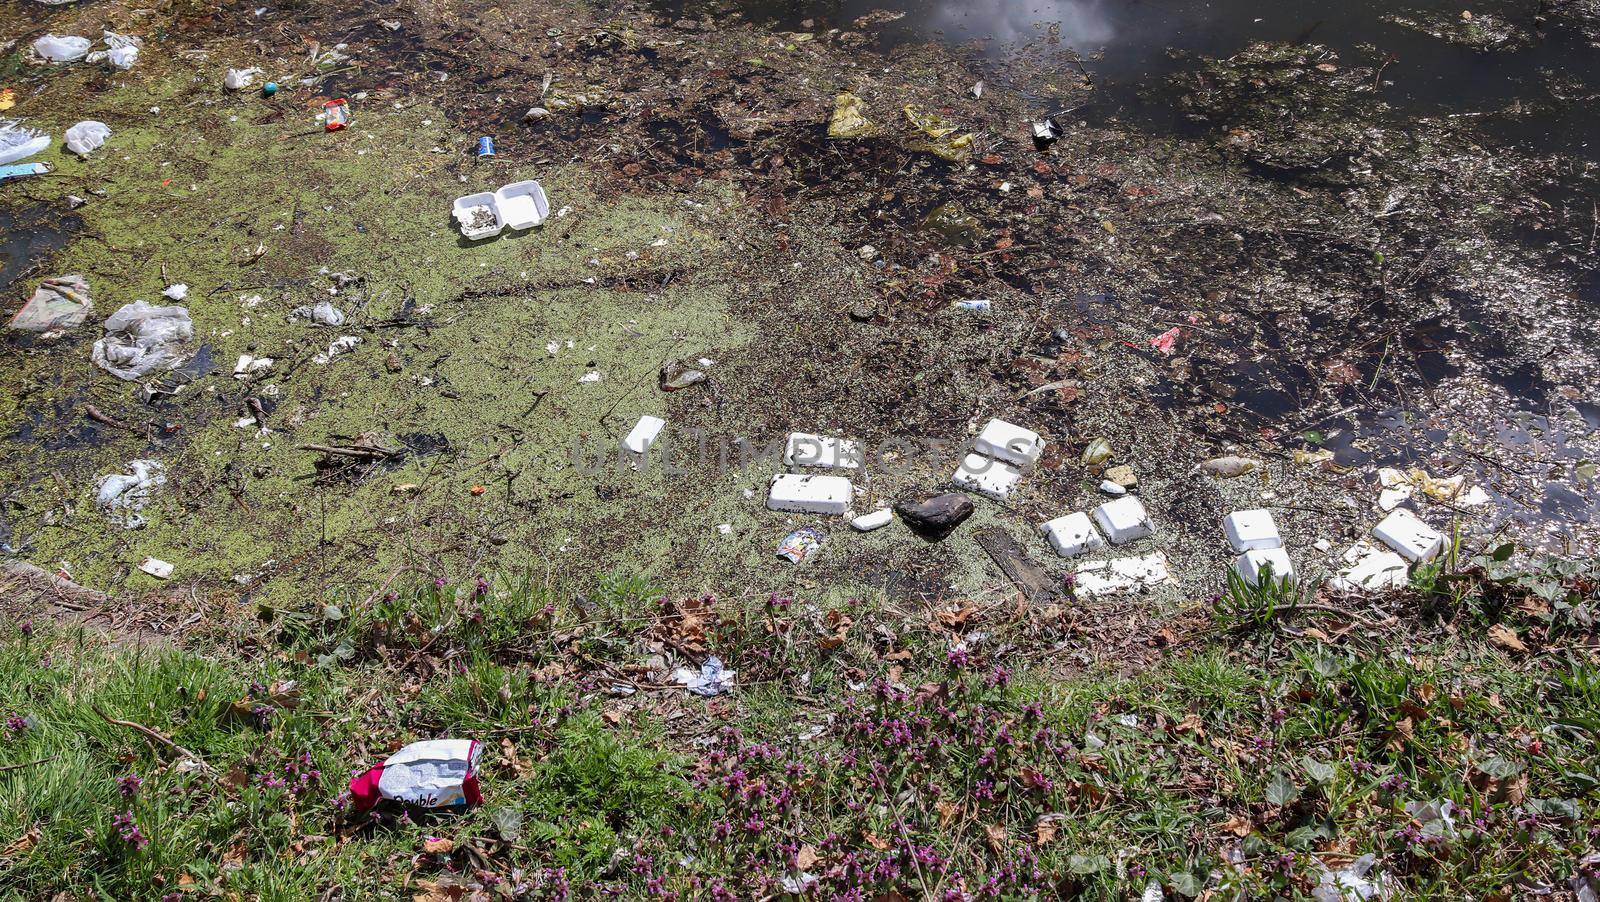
x: 867, y: 750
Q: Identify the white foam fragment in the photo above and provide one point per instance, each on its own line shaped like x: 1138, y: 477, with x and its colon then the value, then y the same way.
x: 1123, y: 520
x: 1415, y: 540
x: 1369, y: 568
x: 1251, y: 529
x: 156, y: 567
x: 826, y: 451
x: 1072, y: 535
x: 1253, y: 563
x: 643, y: 434
x: 986, y: 476
x: 1009, y: 442
x: 875, y: 520
x: 804, y: 494
x: 1121, y: 576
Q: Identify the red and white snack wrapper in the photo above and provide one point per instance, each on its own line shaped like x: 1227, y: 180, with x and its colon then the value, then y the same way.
x: 436, y: 773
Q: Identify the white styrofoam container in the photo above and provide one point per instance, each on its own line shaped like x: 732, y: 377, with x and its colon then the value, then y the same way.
x: 1009, y: 442
x: 805, y: 494
x: 522, y: 205
x: 1072, y: 535
x: 1251, y: 529
x: 826, y: 451
x: 986, y: 476
x: 643, y: 434
x: 1250, y: 564
x: 461, y: 212
x: 1415, y: 540
x: 1123, y: 520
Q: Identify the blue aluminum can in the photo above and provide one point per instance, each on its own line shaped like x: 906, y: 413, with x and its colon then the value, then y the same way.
x: 485, y: 147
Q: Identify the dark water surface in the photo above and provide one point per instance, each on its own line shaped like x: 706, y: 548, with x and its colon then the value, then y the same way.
x: 1547, y: 76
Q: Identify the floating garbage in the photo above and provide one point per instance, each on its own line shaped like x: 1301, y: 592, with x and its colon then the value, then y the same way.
x: 18, y: 141
x: 341, y: 345
x: 141, y: 338
x: 123, y: 495
x: 1229, y: 466
x: 437, y: 773
x: 711, y: 681
x: 849, y: 119
x: 239, y: 79
x: 87, y: 137
x: 942, y: 140
x: 1045, y: 132
x: 156, y: 567
x: 518, y: 206
x: 801, y: 544
x: 57, y: 48
x: 336, y: 114
x: 1351, y: 883
x: 322, y: 313
x: 122, y: 51
x: 18, y: 170
x: 59, y: 303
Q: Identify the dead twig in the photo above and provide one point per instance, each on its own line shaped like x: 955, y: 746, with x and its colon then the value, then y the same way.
x: 20, y: 766
x: 156, y: 736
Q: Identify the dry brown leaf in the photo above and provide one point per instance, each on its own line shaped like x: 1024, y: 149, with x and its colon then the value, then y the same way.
x: 21, y: 844
x: 438, y: 845
x: 1046, y: 828
x: 997, y: 836
x: 882, y: 845
x: 1505, y: 637
x: 947, y: 811
x: 1237, y: 825
x: 806, y: 858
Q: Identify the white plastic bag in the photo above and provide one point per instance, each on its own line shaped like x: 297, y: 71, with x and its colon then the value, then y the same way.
x: 122, y: 51
x: 123, y: 495
x: 141, y: 338
x: 18, y: 141
x: 437, y: 773
x: 59, y: 303
x: 87, y: 136
x: 323, y: 313
x: 239, y: 79
x: 59, y: 48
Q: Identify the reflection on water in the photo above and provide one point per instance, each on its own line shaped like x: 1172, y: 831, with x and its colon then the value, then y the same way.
x: 1547, y: 73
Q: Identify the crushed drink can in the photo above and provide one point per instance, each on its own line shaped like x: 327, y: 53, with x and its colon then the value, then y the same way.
x: 485, y: 147
x: 800, y: 544
x: 336, y: 114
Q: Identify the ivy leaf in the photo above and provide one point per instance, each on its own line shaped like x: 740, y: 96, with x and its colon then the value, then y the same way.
x: 1281, y: 790
x: 1318, y: 772
x: 1186, y: 883
x: 1087, y: 864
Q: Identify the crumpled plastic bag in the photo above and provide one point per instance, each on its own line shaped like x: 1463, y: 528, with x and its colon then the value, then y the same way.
x: 87, y: 137
x: 322, y: 313
x: 849, y: 119
x: 59, y: 303
x: 1350, y: 883
x: 123, y: 495
x: 122, y: 51
x: 141, y: 338
x: 436, y: 773
x: 711, y: 681
x: 18, y: 141
x: 239, y: 79
x: 943, y: 142
x: 61, y: 48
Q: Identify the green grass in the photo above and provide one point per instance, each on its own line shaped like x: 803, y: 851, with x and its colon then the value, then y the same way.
x: 864, y: 749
